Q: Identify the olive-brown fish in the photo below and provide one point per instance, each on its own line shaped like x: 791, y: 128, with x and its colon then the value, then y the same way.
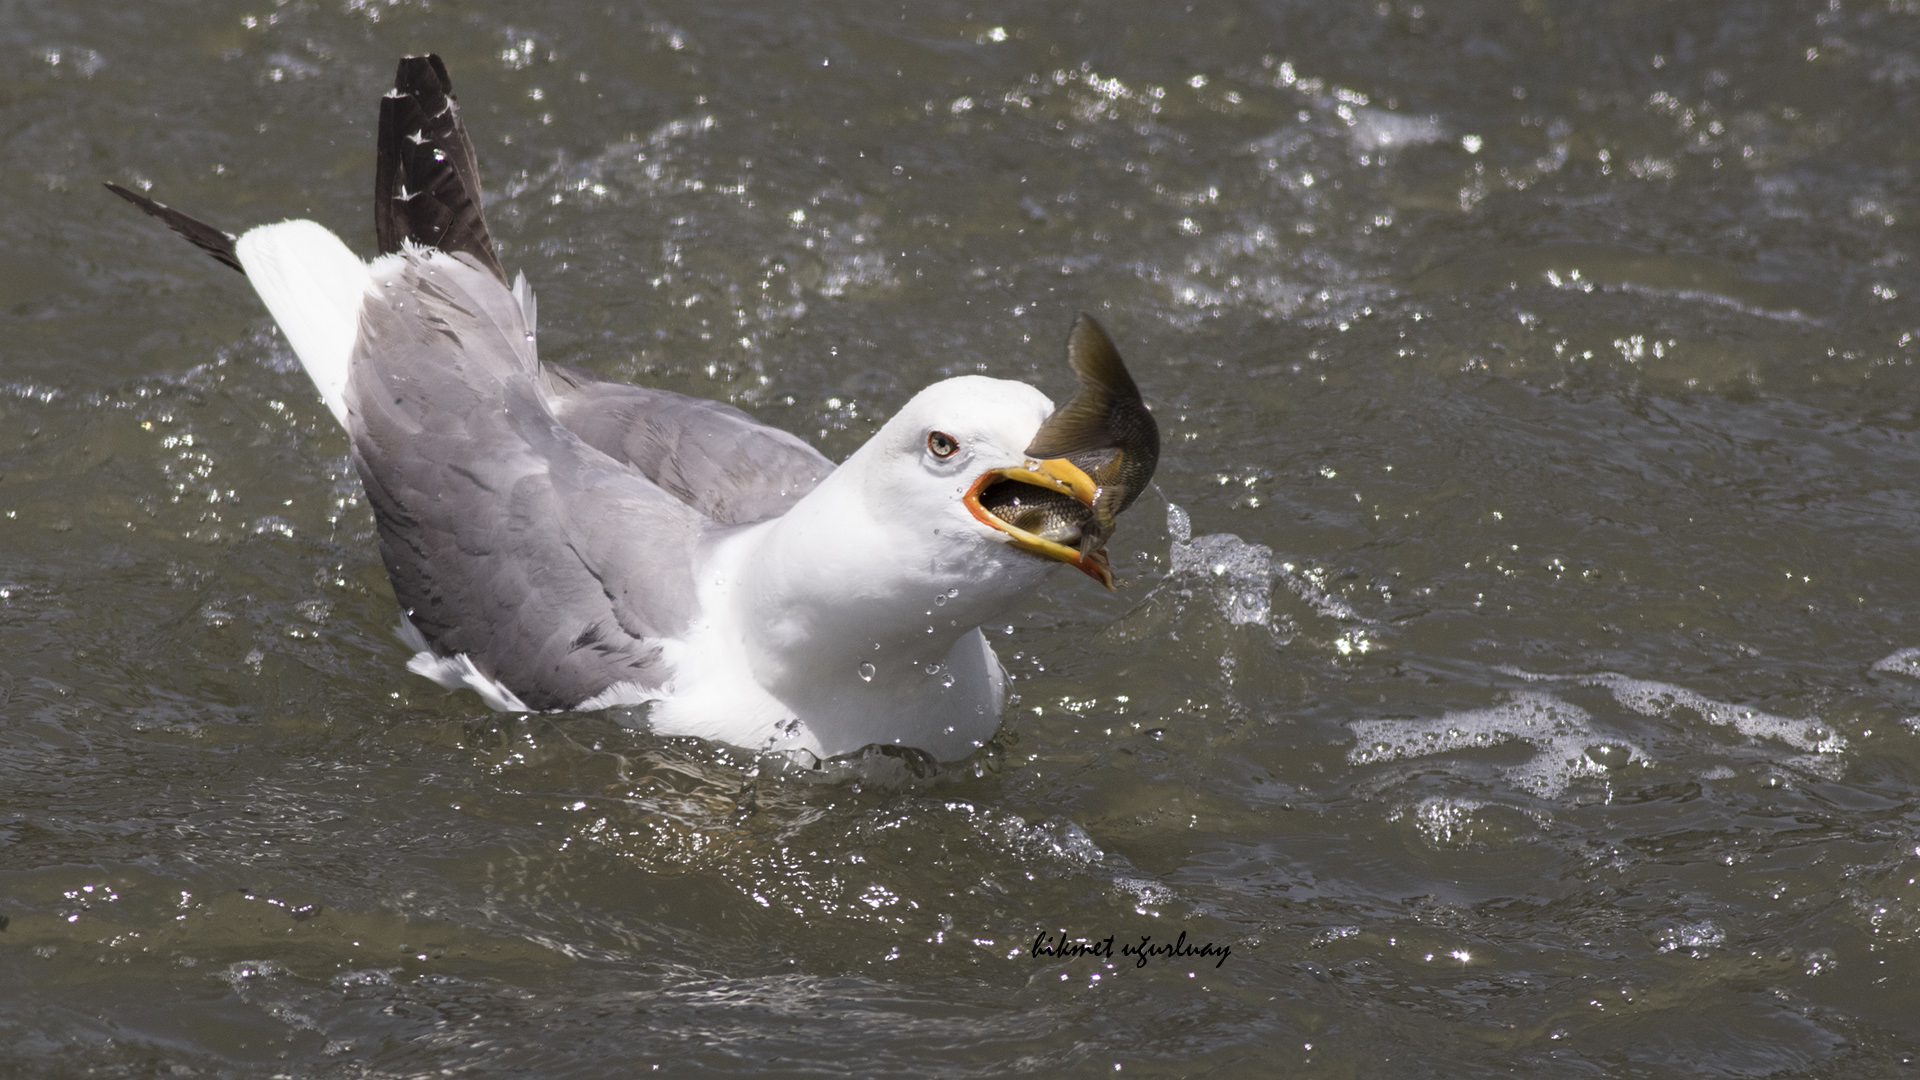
x: 1106, y: 431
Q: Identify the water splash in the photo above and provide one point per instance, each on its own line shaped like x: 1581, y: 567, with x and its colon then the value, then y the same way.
x: 1056, y: 840
x: 1243, y: 574
x: 1334, y: 933
x: 1696, y: 938
x: 1446, y: 822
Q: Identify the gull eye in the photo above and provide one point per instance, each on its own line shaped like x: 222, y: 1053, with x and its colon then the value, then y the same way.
x: 942, y: 445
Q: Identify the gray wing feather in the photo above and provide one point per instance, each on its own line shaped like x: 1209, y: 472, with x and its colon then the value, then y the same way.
x: 724, y: 464
x: 556, y: 569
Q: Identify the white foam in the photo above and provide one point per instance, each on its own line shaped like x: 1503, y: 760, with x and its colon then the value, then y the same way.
x: 1560, y: 734
x: 1370, y: 130
x: 1661, y: 699
x: 1147, y: 897
x: 1658, y: 699
x: 1377, y: 129
x: 1905, y: 662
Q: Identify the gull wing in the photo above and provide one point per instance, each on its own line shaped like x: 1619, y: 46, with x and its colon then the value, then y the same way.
x: 426, y: 184
x: 716, y: 459
x: 724, y: 464
x: 554, y: 568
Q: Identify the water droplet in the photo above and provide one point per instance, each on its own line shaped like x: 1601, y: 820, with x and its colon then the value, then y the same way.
x: 940, y: 600
x: 947, y: 682
x: 866, y: 672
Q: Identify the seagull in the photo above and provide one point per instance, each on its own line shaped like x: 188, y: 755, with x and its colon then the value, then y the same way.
x: 557, y: 541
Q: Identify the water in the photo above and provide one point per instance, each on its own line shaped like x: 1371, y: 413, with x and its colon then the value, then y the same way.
x: 1514, y: 667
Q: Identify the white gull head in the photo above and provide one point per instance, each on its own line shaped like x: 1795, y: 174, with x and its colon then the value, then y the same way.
x: 916, y: 471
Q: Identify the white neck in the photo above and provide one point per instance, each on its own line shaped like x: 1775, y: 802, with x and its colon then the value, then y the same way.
x: 856, y: 622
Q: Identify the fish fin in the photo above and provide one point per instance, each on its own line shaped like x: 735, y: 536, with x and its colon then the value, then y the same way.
x: 1085, y: 422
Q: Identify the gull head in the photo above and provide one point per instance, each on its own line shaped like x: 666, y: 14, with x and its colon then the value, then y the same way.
x: 965, y: 437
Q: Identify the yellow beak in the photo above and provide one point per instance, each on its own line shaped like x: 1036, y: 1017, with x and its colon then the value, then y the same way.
x: 1056, y: 474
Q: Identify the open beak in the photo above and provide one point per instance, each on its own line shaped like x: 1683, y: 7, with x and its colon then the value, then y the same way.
x: 1054, y: 474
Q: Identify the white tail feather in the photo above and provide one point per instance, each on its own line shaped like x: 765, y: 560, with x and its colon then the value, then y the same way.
x: 313, y: 285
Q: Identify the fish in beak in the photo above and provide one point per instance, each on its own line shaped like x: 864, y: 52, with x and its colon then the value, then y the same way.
x: 1086, y: 465
x: 1041, y: 506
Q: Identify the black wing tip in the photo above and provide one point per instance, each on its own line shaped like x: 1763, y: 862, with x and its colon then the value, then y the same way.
x: 422, y: 73
x: 134, y: 197
x: 426, y: 179
x: 215, y: 242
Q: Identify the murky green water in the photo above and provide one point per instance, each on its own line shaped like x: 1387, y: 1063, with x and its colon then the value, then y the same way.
x: 1520, y: 687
